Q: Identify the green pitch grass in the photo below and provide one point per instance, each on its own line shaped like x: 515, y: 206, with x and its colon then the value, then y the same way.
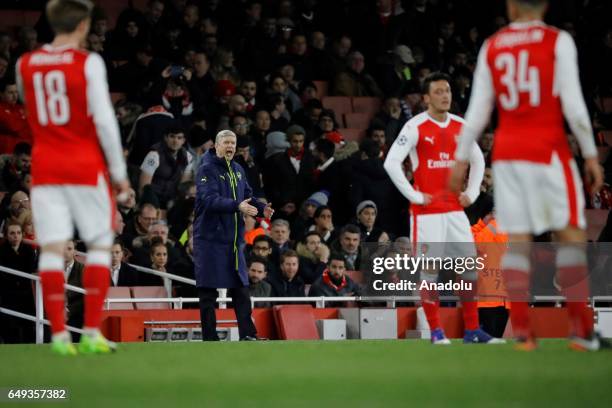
x: 316, y: 374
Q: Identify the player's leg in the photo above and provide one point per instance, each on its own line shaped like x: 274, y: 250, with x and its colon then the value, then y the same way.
x: 93, y: 211
x: 567, y: 206
x: 461, y: 247
x: 53, y: 225
x: 427, y: 232
x: 517, y: 204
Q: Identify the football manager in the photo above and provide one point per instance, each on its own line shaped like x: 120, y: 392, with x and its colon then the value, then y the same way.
x: 223, y: 197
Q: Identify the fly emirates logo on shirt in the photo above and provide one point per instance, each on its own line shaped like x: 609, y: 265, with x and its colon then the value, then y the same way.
x: 445, y: 162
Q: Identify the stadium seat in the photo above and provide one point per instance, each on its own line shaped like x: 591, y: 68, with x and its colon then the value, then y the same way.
x: 116, y: 96
x: 606, y: 135
x: 603, y: 152
x: 352, y: 134
x: 295, y: 322
x: 150, y: 292
x: 339, y: 104
x: 116, y: 292
x: 322, y: 88
x: 357, y: 120
x: 596, y: 221
x: 366, y: 104
x: 356, y: 276
x: 606, y: 105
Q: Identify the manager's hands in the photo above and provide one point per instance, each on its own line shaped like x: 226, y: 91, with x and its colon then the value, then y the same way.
x: 247, y: 208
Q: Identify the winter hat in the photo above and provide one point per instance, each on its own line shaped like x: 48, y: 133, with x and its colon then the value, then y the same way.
x: 319, y: 198
x: 242, y: 141
x: 295, y: 130
x: 366, y: 204
x: 276, y: 142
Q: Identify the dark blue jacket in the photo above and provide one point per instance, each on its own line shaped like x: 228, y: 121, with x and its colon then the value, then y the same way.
x: 218, y: 228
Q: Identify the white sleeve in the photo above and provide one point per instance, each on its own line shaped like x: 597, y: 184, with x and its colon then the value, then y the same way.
x: 567, y: 86
x: 405, y: 142
x: 101, y: 109
x: 482, y: 100
x: 150, y: 163
x: 189, y: 167
x: 477, y: 168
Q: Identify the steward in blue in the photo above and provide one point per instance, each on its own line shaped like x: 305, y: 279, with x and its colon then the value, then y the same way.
x: 223, y: 197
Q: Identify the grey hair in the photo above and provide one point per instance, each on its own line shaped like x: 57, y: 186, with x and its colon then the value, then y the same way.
x: 280, y: 222
x: 223, y: 134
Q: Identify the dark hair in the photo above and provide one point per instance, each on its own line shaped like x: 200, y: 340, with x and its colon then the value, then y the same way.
x: 434, y: 77
x: 313, y: 103
x: 238, y: 115
x: 319, y: 210
x: 289, y: 253
x: 350, y: 229
x: 306, y: 84
x: 264, y: 238
x: 325, y: 146
x: 173, y: 130
x: 7, y: 81
x: 65, y: 15
x: 258, y: 259
x: 336, y: 257
x: 22, y: 148
x: 376, y: 124
x: 532, y: 3
x: 310, y: 234
x: 370, y: 148
x: 155, y: 242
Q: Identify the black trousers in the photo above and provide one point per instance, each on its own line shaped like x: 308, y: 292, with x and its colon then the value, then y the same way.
x: 493, y: 320
x: 241, y: 301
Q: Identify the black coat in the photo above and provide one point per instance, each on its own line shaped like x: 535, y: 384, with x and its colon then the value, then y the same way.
x: 283, y: 288
x: 283, y: 184
x: 128, y: 276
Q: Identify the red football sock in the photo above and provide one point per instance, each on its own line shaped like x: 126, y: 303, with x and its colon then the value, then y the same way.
x: 575, y: 287
x: 517, y: 286
x: 53, y: 299
x: 96, y: 281
x: 431, y: 305
x: 470, y: 315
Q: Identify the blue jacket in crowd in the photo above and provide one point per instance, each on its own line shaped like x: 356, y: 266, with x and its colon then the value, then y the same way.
x: 218, y: 228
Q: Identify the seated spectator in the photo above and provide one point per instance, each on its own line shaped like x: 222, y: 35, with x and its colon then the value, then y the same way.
x: 377, y: 133
x: 393, y: 118
x: 323, y: 224
x: 313, y: 257
x: 288, y: 176
x: 158, y: 261
x: 288, y: 283
x: 16, y: 167
x: 334, y: 281
x: 251, y: 229
x: 15, y: 292
x: 279, y: 115
x: 278, y: 85
x: 354, y: 80
x: 127, y: 208
x: 19, y: 203
x: 258, y: 133
x: 259, y: 287
x: 127, y: 113
x: 348, y: 247
x: 166, y: 166
x: 276, y: 142
x: 139, y: 226
x: 280, y: 232
x: 399, y: 71
x: 305, y: 217
x: 181, y: 214
x: 142, y: 245
x: 14, y: 127
x: 308, y: 118
x: 27, y: 225
x: 121, y: 273
x: 248, y: 89
x: 366, y: 218
x: 328, y: 127
x: 73, y: 274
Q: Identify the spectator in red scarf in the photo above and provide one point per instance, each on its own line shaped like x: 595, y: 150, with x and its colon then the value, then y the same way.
x: 13, y: 125
x: 335, y: 281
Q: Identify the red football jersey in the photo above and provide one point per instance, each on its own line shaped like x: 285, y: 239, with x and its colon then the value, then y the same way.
x: 431, y: 146
x: 522, y: 62
x: 68, y: 108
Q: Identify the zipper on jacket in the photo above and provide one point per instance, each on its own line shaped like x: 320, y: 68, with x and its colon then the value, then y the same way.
x: 233, y: 185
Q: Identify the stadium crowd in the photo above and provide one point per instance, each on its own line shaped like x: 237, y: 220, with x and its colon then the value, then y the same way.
x: 184, y: 70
